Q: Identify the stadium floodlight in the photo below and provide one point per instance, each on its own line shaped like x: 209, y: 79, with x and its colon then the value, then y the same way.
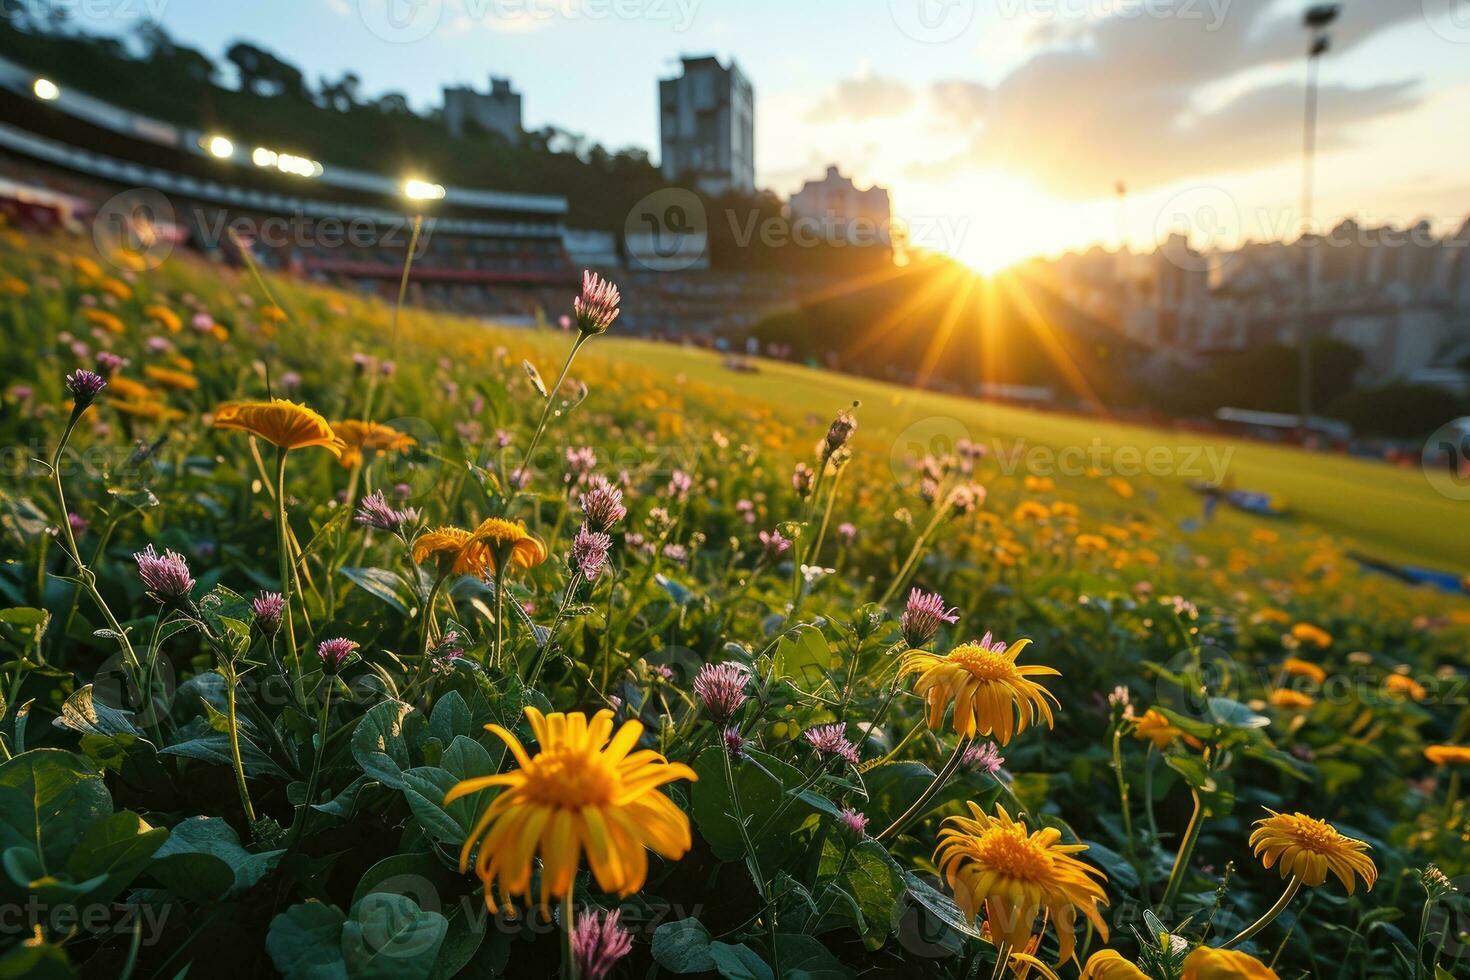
x: 286, y: 163
x: 219, y: 146
x: 422, y: 190
x: 45, y: 90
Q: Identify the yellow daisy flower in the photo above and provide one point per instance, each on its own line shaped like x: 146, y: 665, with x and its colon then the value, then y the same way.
x: 169, y: 378
x: 992, y: 696
x: 280, y: 422
x: 1288, y: 700
x: 498, y: 543
x: 447, y: 546
x: 1155, y: 727
x: 1106, y: 964
x: 361, y: 436
x: 1208, y: 963
x: 1297, y: 667
x: 585, y: 791
x: 1017, y: 876
x: 164, y: 317
x: 1448, y: 755
x: 1313, y: 635
x: 1308, y: 848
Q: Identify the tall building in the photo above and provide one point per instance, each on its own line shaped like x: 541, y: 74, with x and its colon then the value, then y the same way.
x: 496, y: 111
x: 707, y: 126
x: 841, y: 212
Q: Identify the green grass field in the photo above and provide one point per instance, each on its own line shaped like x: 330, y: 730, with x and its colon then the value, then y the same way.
x: 1390, y: 512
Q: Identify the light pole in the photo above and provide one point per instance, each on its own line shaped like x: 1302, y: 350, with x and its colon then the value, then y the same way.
x: 1317, y: 20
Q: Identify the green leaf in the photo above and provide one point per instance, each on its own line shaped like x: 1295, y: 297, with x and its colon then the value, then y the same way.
x: 739, y: 962
x: 118, y: 847
x: 305, y: 942
x: 424, y: 878
x: 389, y: 936
x: 196, y: 842
x: 683, y: 947
x: 380, y: 745
x: 804, y: 656
x: 1233, y: 714
x: 804, y: 958
x: 450, y: 717
x: 83, y: 713
x: 35, y: 961
x: 762, y: 782
x: 940, y: 905
x: 425, y: 788
x: 383, y: 584
x: 876, y: 882
x: 48, y: 798
x: 215, y: 748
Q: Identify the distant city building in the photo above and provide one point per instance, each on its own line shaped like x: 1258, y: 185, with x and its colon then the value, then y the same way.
x: 835, y: 206
x: 707, y: 127
x: 496, y: 111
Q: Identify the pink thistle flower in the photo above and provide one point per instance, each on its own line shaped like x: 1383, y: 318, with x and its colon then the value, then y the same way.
x: 803, y: 480
x: 580, y: 461
x: 721, y: 689
x: 734, y: 741
x: 445, y: 652
x: 589, y: 552
x: 109, y: 363
x: 679, y: 484
x: 847, y: 531
x: 268, y: 608
x: 831, y: 741
x: 602, y: 503
x: 598, y: 942
x: 84, y: 386
x: 374, y: 511
x: 774, y: 544
x: 166, y: 576
x: 923, y: 616
x: 597, y: 307
x: 841, y: 430
x: 853, y: 823
x: 984, y: 758
x: 336, y: 652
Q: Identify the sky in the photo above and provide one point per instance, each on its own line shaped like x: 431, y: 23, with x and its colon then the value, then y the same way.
x: 1001, y: 127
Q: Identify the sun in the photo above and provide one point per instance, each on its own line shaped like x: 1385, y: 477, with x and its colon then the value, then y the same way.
x: 987, y: 219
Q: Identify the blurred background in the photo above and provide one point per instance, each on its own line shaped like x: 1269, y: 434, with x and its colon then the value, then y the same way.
x: 1235, y: 216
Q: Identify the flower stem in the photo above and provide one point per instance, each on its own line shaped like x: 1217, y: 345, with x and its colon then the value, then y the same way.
x: 1123, y: 793
x: 1271, y: 913
x: 568, y: 912
x: 754, y: 863
x: 550, y: 400
x: 316, y: 766
x: 914, y: 555
x: 1186, y: 849
x: 935, y: 786
x: 231, y: 679
x: 283, y: 562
